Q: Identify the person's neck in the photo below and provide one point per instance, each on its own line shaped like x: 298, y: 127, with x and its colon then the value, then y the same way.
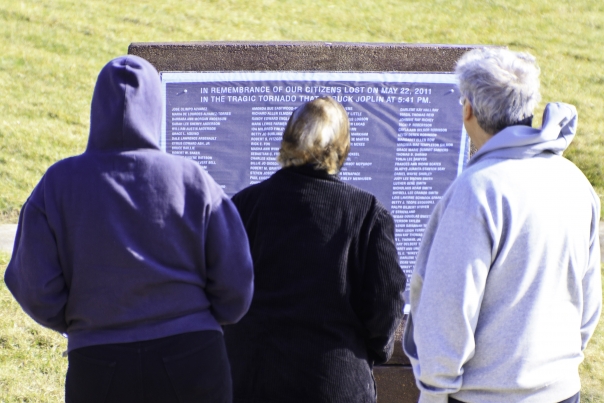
x: 477, y: 134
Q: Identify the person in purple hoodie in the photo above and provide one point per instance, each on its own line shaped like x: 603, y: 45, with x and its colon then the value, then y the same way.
x: 136, y: 255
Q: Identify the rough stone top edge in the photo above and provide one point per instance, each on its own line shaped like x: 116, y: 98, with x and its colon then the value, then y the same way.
x: 302, y: 44
x: 299, y: 56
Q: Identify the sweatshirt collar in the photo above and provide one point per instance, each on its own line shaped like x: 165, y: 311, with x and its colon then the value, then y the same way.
x: 517, y: 142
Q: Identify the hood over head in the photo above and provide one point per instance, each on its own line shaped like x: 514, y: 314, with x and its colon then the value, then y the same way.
x: 126, y: 106
x: 516, y: 142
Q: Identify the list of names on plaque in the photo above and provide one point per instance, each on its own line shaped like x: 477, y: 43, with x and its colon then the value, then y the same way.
x: 407, y: 142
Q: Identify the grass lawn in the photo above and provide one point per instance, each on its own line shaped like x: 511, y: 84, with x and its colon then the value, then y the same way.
x: 52, y: 51
x: 32, y: 368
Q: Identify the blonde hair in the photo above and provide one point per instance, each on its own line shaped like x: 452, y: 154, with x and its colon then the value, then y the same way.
x: 317, y: 133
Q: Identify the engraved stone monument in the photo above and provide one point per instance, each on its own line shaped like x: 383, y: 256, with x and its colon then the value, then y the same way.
x: 227, y: 103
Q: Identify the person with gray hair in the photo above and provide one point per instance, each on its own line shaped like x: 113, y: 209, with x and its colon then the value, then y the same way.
x: 327, y: 283
x: 506, y: 290
x: 501, y: 86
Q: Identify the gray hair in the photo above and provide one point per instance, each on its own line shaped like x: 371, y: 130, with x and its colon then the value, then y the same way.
x: 317, y: 133
x: 502, y: 86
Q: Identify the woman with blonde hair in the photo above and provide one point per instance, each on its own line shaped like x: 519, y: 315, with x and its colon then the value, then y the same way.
x: 328, y: 287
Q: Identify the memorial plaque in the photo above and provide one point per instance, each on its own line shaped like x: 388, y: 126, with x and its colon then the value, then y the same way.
x: 227, y: 103
x: 407, y: 137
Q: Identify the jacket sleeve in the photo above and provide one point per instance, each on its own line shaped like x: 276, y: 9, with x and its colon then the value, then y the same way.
x: 34, y: 275
x: 383, y: 286
x: 592, y: 282
x: 229, y: 267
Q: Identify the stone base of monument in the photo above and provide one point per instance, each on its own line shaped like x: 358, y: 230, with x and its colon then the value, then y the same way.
x: 394, y: 380
x: 395, y: 384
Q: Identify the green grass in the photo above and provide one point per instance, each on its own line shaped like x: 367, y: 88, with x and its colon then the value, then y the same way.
x: 592, y: 369
x: 32, y: 368
x: 52, y: 51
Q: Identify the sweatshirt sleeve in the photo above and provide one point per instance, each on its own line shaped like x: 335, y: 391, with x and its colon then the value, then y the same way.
x: 384, y: 283
x: 228, y: 263
x: 592, y: 282
x: 446, y: 300
x: 34, y: 275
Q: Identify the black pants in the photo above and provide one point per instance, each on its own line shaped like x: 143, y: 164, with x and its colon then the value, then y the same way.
x: 573, y: 399
x: 189, y: 367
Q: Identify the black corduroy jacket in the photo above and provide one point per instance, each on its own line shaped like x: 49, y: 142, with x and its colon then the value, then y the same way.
x: 328, y: 291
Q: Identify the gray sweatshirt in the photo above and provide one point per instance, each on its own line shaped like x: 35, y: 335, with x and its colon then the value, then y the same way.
x: 506, y: 290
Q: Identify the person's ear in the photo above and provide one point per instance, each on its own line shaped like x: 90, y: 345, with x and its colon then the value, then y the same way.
x: 468, y: 112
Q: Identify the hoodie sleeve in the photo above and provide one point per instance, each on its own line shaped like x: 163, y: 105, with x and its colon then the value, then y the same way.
x: 447, y: 287
x: 229, y: 264
x: 592, y: 281
x: 34, y: 275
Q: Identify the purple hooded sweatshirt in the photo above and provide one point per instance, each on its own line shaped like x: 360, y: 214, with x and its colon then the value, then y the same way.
x: 127, y: 243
